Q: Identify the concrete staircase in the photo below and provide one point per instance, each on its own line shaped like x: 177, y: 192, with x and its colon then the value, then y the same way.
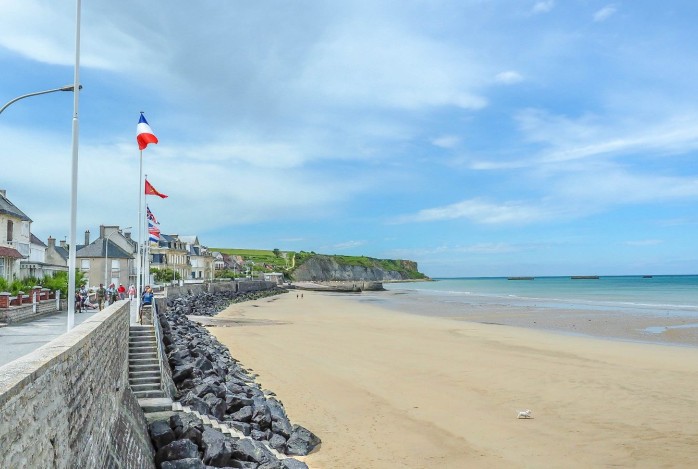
x: 144, y: 369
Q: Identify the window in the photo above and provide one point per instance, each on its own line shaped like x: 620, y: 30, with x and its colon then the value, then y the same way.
x: 2, y: 267
x: 84, y: 265
x: 10, y: 228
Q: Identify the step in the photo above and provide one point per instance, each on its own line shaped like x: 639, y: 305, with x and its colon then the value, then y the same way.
x: 145, y: 332
x: 143, y: 378
x: 143, y: 368
x: 149, y: 394
x: 143, y: 346
x: 141, y: 339
x: 133, y: 361
x: 142, y: 355
x: 145, y: 387
x: 155, y: 404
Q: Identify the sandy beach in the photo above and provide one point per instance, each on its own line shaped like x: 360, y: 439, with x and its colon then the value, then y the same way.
x: 384, y: 389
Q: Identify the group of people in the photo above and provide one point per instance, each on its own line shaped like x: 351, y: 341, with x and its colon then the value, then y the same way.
x: 103, y: 296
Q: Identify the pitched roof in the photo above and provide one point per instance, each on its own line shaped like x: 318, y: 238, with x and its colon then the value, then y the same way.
x: 96, y: 249
x: 63, y: 252
x: 10, y: 252
x: 9, y: 208
x: 35, y: 240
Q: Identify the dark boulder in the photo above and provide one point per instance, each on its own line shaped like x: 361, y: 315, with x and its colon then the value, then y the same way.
x: 161, y: 434
x: 301, y: 442
x: 291, y: 463
x: 278, y: 442
x: 217, y: 448
x: 178, y: 449
x: 188, y: 463
x: 242, y: 415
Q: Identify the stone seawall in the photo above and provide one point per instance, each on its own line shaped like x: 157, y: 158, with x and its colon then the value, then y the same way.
x: 236, y: 286
x: 68, y: 404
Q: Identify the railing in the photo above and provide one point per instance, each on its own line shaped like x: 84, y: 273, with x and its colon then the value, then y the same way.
x: 158, y: 339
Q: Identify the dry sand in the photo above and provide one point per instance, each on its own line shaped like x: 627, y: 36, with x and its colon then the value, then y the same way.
x: 383, y: 389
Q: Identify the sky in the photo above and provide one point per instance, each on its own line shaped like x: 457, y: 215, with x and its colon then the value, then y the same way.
x: 475, y: 137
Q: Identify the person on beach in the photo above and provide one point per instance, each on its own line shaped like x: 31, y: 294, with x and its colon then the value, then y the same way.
x: 101, y: 295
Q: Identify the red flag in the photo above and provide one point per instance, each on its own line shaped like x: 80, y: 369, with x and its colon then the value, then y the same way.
x: 150, y: 190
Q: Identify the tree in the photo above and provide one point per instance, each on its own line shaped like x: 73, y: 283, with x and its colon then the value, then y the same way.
x: 164, y: 275
x: 277, y: 252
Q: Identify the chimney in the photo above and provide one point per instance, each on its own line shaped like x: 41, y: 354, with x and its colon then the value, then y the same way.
x: 101, y: 231
x: 87, y: 237
x: 63, y: 244
x: 3, y: 192
x: 127, y: 235
x: 51, y: 243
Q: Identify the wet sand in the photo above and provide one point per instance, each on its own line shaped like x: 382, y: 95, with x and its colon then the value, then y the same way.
x: 385, y: 389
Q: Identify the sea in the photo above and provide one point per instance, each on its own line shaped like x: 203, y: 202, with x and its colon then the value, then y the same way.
x: 658, y: 308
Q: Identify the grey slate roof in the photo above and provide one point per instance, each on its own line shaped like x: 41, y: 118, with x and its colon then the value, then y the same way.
x: 63, y: 252
x: 96, y: 249
x: 9, y: 208
x: 36, y: 240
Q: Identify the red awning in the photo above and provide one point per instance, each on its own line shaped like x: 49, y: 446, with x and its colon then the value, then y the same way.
x: 10, y: 252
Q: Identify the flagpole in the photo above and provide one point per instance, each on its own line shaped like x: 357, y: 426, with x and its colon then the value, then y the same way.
x: 72, y: 249
x: 146, y: 238
x: 140, y: 234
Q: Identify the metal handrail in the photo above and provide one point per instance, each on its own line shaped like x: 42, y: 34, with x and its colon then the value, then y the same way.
x: 158, y: 339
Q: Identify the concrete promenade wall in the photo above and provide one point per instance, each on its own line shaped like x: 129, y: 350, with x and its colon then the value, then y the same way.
x: 68, y: 404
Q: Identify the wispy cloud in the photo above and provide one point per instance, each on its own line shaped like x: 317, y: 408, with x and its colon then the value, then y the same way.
x: 479, y: 211
x: 644, y: 242
x: 446, y: 141
x: 604, y: 13
x: 543, y: 6
x: 509, y: 77
x: 347, y: 245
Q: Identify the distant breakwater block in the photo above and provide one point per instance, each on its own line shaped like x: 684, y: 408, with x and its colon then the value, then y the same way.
x: 209, y: 380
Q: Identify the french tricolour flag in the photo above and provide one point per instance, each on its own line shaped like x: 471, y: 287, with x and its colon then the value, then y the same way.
x: 144, y: 134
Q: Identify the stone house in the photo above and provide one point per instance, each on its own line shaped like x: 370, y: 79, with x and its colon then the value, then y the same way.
x: 170, y: 253
x: 200, y: 258
x: 218, y: 262
x: 108, y: 259
x: 15, y: 238
x: 57, y: 255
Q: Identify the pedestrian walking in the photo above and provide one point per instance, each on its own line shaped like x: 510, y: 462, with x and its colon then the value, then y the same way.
x: 101, y: 296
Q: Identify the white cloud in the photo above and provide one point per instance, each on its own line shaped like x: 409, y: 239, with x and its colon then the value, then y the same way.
x: 382, y: 64
x: 480, y: 211
x: 543, y: 6
x: 605, y: 13
x: 347, y: 245
x: 509, y: 77
x: 589, y: 136
x: 644, y: 242
x: 446, y: 141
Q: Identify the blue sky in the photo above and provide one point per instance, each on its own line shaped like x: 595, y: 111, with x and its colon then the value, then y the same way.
x: 476, y: 137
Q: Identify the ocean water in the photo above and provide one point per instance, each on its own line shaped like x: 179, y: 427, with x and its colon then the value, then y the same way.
x: 664, y: 294
x: 660, y: 309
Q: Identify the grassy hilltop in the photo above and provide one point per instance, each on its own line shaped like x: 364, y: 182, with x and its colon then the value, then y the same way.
x: 262, y: 260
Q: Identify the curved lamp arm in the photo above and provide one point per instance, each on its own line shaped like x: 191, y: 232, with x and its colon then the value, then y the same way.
x: 64, y: 88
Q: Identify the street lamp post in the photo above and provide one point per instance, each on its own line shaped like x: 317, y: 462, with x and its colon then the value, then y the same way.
x: 106, y: 253
x: 37, y: 93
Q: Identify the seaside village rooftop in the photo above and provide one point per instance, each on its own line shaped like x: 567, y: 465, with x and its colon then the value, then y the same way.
x: 108, y: 258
